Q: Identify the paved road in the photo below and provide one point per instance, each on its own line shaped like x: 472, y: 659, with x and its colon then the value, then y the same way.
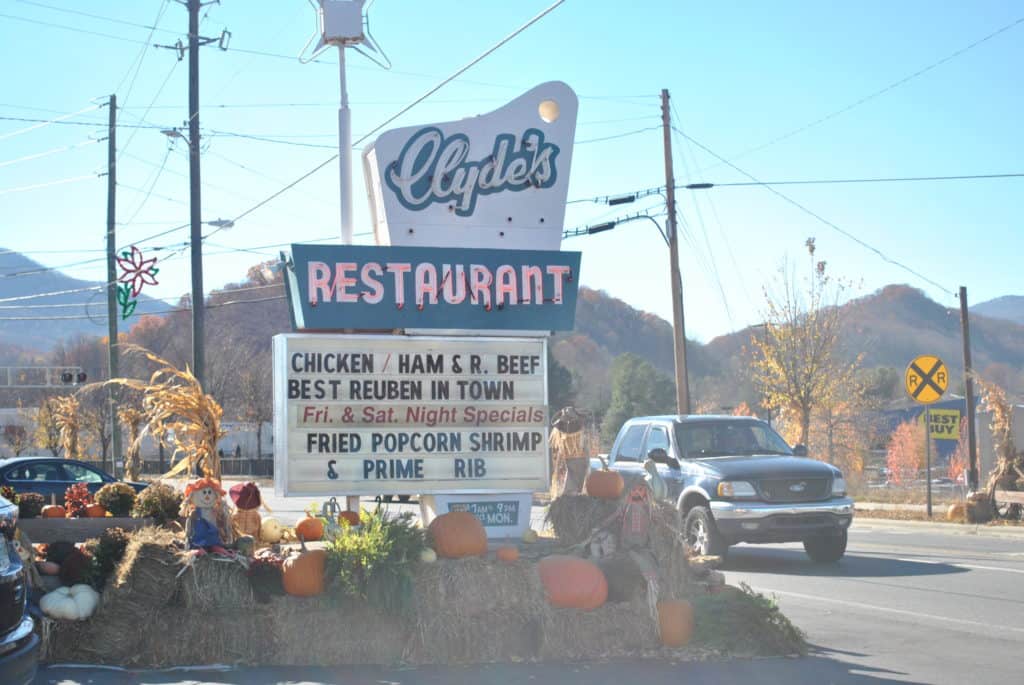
x: 910, y: 603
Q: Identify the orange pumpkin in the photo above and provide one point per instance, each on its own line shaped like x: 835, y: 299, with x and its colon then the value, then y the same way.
x: 310, y: 529
x: 675, y: 622
x: 458, y: 534
x: 351, y: 516
x: 303, y: 575
x: 53, y: 511
x: 604, y: 484
x: 95, y: 511
x: 572, y: 583
x: 508, y: 554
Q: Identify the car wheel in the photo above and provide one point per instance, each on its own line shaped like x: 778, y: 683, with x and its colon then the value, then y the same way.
x: 826, y: 549
x: 702, y: 535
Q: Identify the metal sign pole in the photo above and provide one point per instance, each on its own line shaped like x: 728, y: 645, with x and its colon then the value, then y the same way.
x: 928, y: 455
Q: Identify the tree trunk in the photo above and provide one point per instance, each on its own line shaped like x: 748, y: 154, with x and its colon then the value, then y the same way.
x: 805, y: 424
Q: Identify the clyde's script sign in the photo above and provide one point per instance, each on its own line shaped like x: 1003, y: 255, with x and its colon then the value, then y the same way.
x: 498, y: 180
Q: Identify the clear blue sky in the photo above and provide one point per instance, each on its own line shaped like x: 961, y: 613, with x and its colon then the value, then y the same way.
x: 741, y: 74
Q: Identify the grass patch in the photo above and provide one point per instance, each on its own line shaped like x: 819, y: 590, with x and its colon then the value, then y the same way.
x: 743, y: 622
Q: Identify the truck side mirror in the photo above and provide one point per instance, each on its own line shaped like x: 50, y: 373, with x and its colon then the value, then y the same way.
x: 800, y: 450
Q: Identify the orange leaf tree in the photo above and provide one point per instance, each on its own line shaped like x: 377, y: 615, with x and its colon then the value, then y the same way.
x: 906, y: 452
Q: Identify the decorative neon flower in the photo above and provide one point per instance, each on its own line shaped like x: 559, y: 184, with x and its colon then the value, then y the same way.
x: 136, y: 270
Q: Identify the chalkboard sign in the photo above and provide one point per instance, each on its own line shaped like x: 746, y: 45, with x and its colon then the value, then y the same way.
x: 504, y: 513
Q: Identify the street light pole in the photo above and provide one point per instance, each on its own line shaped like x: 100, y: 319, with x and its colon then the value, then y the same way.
x: 678, y: 323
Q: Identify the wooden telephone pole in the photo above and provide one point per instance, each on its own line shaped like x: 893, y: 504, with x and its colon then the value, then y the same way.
x: 678, y: 323
x: 972, y: 445
x: 112, y: 308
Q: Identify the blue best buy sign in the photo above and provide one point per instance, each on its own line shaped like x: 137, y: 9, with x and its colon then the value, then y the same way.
x: 361, y: 287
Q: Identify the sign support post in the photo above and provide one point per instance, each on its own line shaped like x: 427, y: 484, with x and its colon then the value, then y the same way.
x: 925, y: 381
x: 928, y: 455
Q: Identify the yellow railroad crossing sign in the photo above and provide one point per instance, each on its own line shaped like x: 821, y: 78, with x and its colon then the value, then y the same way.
x: 926, y: 379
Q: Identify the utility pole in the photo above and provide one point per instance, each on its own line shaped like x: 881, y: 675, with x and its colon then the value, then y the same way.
x: 198, y: 301
x: 112, y: 349
x: 678, y: 323
x: 972, y: 444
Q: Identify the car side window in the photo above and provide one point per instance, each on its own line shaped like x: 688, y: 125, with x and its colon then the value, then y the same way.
x: 35, y: 472
x: 82, y: 474
x: 629, y: 448
x: 658, y: 437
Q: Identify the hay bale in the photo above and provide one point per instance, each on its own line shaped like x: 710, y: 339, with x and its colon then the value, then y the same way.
x: 307, y: 634
x: 215, y: 583
x: 472, y: 611
x: 614, y: 630
x: 668, y: 545
x: 147, y: 574
x: 574, y: 517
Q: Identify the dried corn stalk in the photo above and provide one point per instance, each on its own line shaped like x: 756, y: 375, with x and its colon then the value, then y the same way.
x: 179, y: 414
x: 134, y: 419
x: 66, y: 414
x: 1008, y: 473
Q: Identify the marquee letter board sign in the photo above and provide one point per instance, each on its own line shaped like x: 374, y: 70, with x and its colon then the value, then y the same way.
x: 368, y: 415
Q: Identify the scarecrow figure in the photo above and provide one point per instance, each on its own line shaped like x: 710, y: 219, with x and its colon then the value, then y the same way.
x: 570, y: 450
x: 207, y: 521
x: 246, y: 518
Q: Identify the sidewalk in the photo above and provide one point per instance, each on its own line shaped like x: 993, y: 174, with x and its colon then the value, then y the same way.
x: 939, y: 525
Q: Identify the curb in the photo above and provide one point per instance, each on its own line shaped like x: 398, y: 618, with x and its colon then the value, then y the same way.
x: 1012, y: 532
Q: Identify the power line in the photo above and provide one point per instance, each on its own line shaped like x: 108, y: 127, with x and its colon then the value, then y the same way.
x: 882, y: 91
x: 93, y: 124
x: 47, y: 153
x: 47, y: 184
x: 813, y: 214
x: 97, y: 16
x: 402, y: 111
x: 894, y: 179
x: 41, y: 123
x: 74, y: 29
x: 619, y: 135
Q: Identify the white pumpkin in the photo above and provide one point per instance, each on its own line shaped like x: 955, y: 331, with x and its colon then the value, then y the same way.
x: 271, y: 531
x: 75, y: 603
x: 428, y: 556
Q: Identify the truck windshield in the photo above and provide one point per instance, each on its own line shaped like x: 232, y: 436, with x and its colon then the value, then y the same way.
x: 721, y: 438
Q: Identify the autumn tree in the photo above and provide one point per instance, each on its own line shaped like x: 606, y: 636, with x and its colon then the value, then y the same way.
x: 46, y: 434
x: 16, y: 437
x: 638, y: 389
x: 905, y: 455
x: 960, y: 460
x: 797, y: 362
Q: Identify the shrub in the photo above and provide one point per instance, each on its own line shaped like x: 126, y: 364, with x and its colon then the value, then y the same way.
x: 375, y: 562
x: 745, y: 622
x: 158, y: 501
x: 76, y: 499
x: 8, y: 493
x: 107, y: 551
x: 117, y: 498
x: 30, y: 504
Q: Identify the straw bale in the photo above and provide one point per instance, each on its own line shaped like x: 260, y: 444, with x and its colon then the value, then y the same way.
x: 147, y: 573
x: 669, y: 549
x: 308, y: 634
x: 471, y: 610
x: 613, y: 630
x: 216, y: 584
x: 574, y: 517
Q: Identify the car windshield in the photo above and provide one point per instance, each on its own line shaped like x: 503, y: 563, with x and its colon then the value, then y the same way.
x: 720, y: 438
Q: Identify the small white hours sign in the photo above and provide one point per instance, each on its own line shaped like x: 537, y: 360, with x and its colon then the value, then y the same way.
x: 368, y: 415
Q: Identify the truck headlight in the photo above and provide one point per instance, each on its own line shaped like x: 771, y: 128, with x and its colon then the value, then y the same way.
x: 838, y: 486
x: 736, y: 488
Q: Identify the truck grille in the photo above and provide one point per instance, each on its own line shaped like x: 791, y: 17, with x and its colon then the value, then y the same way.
x: 12, y: 600
x: 795, y: 489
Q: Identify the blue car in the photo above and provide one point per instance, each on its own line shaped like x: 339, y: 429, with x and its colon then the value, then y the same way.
x: 19, y: 644
x: 51, y: 476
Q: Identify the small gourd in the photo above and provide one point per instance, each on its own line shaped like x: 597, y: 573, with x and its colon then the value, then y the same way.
x: 75, y: 603
x: 428, y: 556
x: 95, y: 511
x: 530, y: 536
x: 54, y: 511
x: 507, y: 554
x: 271, y: 531
x: 604, y: 484
x: 310, y: 529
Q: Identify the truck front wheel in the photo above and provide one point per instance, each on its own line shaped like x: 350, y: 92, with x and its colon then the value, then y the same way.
x: 827, y: 548
x: 702, y: 536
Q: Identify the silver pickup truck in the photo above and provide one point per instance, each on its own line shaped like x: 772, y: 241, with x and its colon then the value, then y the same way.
x: 734, y: 479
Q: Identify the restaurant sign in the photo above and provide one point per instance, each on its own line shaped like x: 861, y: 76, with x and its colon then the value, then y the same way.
x: 368, y: 415
x: 362, y: 287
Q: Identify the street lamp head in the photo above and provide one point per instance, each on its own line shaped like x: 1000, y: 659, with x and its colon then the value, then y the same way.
x: 221, y: 223
x: 600, y: 228
x: 172, y: 133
